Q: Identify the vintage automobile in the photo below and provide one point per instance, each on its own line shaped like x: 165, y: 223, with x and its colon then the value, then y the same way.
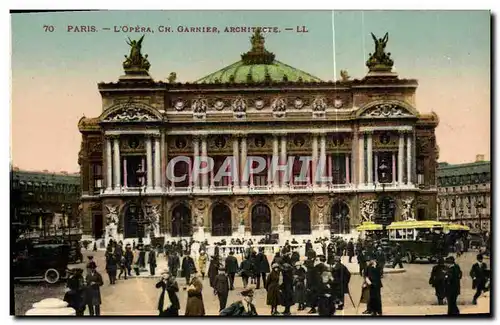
x: 426, y: 239
x: 36, y: 261
x: 370, y: 230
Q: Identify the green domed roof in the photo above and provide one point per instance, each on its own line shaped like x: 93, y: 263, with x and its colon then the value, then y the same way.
x: 258, y: 65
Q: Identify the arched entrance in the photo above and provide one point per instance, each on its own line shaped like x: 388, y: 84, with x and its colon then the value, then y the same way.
x: 221, y: 220
x: 340, y: 218
x: 181, y: 221
x: 301, y: 219
x: 261, y: 220
x: 131, y: 228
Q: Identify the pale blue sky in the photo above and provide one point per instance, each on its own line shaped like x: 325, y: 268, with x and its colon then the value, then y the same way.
x: 448, y: 52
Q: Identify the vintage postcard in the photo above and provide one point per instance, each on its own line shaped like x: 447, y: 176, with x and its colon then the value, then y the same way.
x: 250, y: 163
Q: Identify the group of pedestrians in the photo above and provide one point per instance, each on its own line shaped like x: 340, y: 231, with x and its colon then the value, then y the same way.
x: 84, y: 290
x: 446, y: 277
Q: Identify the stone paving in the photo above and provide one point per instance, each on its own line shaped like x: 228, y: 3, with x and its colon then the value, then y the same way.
x: 403, y: 294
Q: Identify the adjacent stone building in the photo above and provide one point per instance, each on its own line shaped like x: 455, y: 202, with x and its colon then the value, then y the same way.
x: 373, y: 142
x: 465, y: 193
x: 44, y: 200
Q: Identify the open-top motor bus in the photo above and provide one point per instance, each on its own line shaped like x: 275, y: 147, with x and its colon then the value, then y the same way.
x: 419, y: 239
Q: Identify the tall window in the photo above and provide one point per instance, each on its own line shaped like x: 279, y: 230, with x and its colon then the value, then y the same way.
x: 260, y: 178
x: 338, y: 169
x: 97, y: 178
x: 218, y: 163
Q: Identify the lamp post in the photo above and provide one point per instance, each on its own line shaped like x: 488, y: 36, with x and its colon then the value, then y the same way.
x: 383, y: 174
x: 140, y: 174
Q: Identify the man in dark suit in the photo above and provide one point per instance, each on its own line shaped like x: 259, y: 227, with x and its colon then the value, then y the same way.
x: 221, y: 288
x: 341, y: 278
x: 437, y: 280
x: 152, y: 261
x: 231, y: 268
x: 93, y: 281
x: 350, y: 250
x: 173, y: 263
x: 262, y: 267
x: 453, y: 277
x: 479, y: 275
x: 168, y: 284
x: 188, y: 268
x: 309, y: 246
x: 374, y: 280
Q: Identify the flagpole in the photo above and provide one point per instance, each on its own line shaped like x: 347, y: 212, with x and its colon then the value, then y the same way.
x: 333, y: 41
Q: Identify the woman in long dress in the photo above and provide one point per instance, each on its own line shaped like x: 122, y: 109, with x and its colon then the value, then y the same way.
x: 194, y: 305
x: 273, y: 289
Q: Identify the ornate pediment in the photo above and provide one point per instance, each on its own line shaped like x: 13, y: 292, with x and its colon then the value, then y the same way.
x: 131, y: 112
x: 387, y: 109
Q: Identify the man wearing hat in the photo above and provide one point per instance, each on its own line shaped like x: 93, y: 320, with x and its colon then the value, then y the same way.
x: 453, y: 277
x: 168, y: 284
x: 244, y: 307
x: 479, y: 275
x: 373, y: 279
x: 341, y: 278
x: 75, y: 296
x: 221, y: 288
x: 231, y: 264
x: 262, y: 267
x: 93, y: 293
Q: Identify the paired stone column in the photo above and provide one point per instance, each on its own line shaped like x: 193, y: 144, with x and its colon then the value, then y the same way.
x: 369, y: 154
x: 116, y: 162
x: 322, y: 158
x: 409, y: 158
x: 347, y: 169
x: 401, y: 145
x: 314, y: 159
x: 243, y: 164
x: 275, y: 160
x: 195, y: 177
x: 204, y: 155
x: 149, y: 163
x: 157, y: 161
x: 236, y: 159
x: 376, y: 167
x: 361, y: 168
x: 125, y: 179
x: 109, y: 166
x: 283, y: 159
x: 393, y: 167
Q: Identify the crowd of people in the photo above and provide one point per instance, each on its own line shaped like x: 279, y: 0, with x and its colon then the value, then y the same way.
x: 317, y: 281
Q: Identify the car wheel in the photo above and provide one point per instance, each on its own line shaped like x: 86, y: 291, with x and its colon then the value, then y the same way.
x: 51, y: 276
x: 409, y: 257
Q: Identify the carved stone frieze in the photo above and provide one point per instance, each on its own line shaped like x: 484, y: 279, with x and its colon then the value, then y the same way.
x: 367, y: 210
x: 387, y: 110
x: 199, y: 107
x: 319, y: 106
x: 278, y: 106
x: 239, y: 107
x: 131, y: 112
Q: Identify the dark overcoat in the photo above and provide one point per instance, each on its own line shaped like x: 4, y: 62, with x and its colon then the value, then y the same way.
x: 92, y: 292
x: 273, y: 288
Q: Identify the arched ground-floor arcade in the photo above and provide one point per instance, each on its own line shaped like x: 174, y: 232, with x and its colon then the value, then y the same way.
x: 217, y: 217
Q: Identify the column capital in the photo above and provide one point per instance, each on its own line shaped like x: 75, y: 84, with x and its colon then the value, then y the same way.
x: 155, y: 135
x: 113, y: 136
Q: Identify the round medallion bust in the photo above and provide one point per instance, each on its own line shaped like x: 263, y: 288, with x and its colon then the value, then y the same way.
x: 259, y: 103
x: 219, y: 105
x: 179, y: 105
x: 298, y: 103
